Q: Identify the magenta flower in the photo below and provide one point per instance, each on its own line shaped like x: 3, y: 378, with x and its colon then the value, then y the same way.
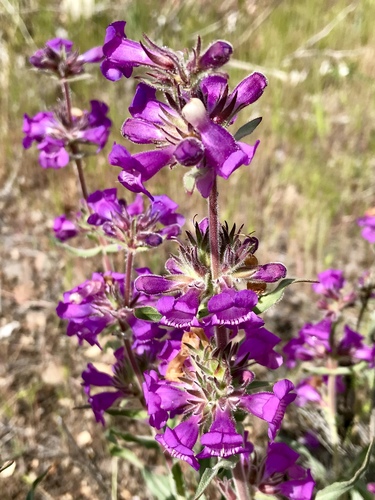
x: 93, y: 305
x: 190, y: 139
x: 330, y: 283
x: 64, y: 228
x: 59, y: 57
x: 122, y: 55
x: 223, y: 440
x: 102, y: 401
x: 54, y: 133
x: 179, y: 442
x: 163, y: 398
x: 270, y: 406
x: 282, y: 476
x: 258, y: 346
x: 132, y: 224
x: 368, y: 224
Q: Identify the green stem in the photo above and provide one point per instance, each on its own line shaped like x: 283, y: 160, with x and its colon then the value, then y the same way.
x: 128, y: 277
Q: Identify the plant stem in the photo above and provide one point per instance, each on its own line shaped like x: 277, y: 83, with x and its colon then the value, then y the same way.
x: 213, y: 221
x: 78, y: 161
x: 242, y: 489
x: 221, y: 333
x: 128, y: 277
x: 332, y: 402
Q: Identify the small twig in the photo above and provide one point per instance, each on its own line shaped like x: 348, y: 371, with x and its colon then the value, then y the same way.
x: 91, y: 468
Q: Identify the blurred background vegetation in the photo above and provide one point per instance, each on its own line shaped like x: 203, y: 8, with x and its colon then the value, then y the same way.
x: 312, y: 176
x: 313, y: 172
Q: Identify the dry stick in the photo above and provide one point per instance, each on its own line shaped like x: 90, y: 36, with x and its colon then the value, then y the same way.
x: 85, y: 461
x: 81, y: 176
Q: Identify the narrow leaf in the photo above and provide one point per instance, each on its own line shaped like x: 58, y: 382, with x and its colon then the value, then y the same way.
x: 268, y: 300
x: 145, y: 441
x: 210, y: 473
x: 336, y: 490
x: 147, y: 313
x: 127, y: 455
x: 30, y: 495
x: 178, y: 479
x: 247, y: 129
x: 89, y: 252
x: 158, y: 484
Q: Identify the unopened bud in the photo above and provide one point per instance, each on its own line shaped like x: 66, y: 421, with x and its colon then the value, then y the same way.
x: 216, y: 55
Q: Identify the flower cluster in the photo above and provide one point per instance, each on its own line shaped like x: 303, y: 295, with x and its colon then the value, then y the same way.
x: 323, y: 343
x: 368, y: 224
x: 56, y: 132
x: 59, y: 58
x: 189, y: 129
x: 190, y: 344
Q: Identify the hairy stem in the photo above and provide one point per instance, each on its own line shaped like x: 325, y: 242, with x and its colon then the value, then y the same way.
x: 213, y: 221
x: 128, y: 277
x: 332, y: 402
x: 239, y: 477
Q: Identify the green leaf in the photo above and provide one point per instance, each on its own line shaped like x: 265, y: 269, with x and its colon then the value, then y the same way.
x: 189, y: 180
x: 247, y: 129
x: 159, y: 485
x: 127, y: 455
x: 145, y: 441
x: 148, y: 313
x: 178, y: 479
x: 210, y: 473
x: 30, y: 495
x: 89, y: 252
x: 268, y: 300
x: 336, y: 490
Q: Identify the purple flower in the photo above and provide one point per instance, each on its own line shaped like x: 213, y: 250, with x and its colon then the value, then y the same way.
x: 352, y: 348
x: 54, y: 133
x: 232, y: 307
x: 258, y: 345
x: 190, y: 270
x: 179, y: 442
x: 162, y: 397
x: 282, y: 476
x: 216, y: 55
x: 64, y: 228
x: 330, y: 283
x: 368, y: 224
x: 307, y: 392
x: 120, y: 381
x: 133, y: 225
x: 59, y: 57
x: 209, y: 146
x: 223, y: 440
x: 93, y: 305
x: 122, y: 55
x: 270, y: 406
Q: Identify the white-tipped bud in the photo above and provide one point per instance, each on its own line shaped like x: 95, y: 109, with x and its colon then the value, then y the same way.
x: 195, y: 113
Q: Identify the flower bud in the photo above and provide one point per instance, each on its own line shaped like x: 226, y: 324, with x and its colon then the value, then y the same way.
x: 216, y: 55
x: 189, y: 152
